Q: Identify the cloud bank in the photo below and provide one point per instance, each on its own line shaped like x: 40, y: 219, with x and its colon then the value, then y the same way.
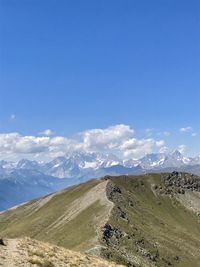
x: 118, y: 139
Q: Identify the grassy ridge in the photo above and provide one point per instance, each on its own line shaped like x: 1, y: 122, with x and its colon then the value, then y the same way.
x: 157, y: 224
x: 146, y: 227
x: 77, y: 233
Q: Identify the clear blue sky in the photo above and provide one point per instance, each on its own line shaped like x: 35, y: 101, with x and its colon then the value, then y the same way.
x: 76, y: 65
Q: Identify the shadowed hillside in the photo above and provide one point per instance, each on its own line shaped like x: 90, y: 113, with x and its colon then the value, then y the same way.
x: 147, y: 220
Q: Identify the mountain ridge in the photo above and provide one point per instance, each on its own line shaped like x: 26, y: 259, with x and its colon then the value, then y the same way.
x: 26, y: 179
x: 153, y: 220
x: 79, y: 164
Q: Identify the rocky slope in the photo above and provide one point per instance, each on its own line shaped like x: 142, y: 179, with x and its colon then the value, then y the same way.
x: 147, y: 220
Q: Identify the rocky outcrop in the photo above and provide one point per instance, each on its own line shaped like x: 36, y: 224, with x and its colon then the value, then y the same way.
x: 178, y: 183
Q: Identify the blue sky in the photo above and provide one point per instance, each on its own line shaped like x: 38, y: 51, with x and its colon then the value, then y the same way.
x: 70, y: 66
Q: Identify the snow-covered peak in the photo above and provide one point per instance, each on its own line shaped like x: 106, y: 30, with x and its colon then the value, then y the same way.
x: 79, y: 164
x: 177, y: 155
x: 152, y: 160
x: 164, y: 160
x: 27, y: 164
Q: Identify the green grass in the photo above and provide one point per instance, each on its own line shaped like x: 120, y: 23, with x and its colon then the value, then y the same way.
x: 24, y: 222
x: 160, y: 221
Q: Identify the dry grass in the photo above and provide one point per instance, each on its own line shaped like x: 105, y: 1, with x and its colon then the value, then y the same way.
x: 46, y: 255
x: 40, y: 261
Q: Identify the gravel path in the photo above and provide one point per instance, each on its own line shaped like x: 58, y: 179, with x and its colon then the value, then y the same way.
x: 10, y: 255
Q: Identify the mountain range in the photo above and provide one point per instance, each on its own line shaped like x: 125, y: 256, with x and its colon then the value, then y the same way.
x: 27, y: 179
x: 83, y: 164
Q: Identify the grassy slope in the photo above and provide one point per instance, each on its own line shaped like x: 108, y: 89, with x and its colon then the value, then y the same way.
x: 157, y: 224
x: 77, y: 233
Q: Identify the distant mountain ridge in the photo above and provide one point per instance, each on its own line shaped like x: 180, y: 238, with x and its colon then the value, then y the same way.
x: 24, y: 180
x: 82, y: 164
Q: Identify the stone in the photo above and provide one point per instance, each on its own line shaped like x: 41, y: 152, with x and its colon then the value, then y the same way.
x: 2, y: 243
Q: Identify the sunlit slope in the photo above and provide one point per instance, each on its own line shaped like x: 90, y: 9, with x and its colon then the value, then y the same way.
x: 153, y: 223
x: 147, y: 220
x: 26, y: 252
x: 70, y: 218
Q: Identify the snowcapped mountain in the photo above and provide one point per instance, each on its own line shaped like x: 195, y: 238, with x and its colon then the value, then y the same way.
x: 79, y: 164
x: 26, y: 179
x: 163, y: 160
x: 151, y: 161
x: 62, y: 167
x: 92, y: 160
x: 82, y: 164
x: 28, y: 164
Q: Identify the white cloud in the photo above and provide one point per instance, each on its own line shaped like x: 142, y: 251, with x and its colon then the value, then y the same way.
x: 137, y: 148
x: 12, y: 117
x: 104, y: 139
x: 160, y: 143
x: 47, y: 132
x: 189, y: 130
x: 166, y: 133
x: 182, y: 149
x: 117, y: 139
x: 149, y: 132
x: 164, y: 149
x: 14, y: 143
x: 186, y: 129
